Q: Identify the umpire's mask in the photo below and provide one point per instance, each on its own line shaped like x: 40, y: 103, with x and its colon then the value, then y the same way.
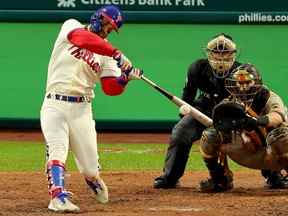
x: 221, y: 53
x: 244, y: 83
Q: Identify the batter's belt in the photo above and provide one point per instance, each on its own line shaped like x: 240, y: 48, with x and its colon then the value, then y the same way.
x: 68, y: 98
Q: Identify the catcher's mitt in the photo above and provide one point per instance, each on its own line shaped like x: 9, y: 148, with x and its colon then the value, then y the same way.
x: 227, y: 115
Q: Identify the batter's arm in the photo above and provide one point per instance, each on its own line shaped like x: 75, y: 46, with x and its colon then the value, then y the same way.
x: 113, y: 86
x: 83, y: 38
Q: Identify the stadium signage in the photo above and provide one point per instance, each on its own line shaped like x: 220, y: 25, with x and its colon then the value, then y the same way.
x: 178, y: 11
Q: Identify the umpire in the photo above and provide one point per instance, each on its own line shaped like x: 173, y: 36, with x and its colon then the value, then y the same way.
x: 207, y: 76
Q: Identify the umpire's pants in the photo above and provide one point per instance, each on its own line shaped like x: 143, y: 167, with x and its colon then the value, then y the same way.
x: 184, y: 133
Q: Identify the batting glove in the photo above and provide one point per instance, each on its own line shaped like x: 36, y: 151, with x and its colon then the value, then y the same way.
x: 134, y: 74
x: 122, y: 61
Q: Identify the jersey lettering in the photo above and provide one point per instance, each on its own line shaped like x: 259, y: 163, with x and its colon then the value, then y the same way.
x: 86, y: 55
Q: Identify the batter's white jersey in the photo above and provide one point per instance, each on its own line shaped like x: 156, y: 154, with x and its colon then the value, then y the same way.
x: 74, y: 71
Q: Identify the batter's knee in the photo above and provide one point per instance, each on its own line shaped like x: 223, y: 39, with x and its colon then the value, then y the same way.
x: 209, y: 143
x: 90, y: 172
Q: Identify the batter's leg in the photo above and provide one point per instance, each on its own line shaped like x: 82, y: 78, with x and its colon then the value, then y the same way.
x: 84, y: 146
x: 56, y: 132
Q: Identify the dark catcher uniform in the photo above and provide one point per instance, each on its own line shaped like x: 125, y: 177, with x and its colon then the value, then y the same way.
x: 188, y: 130
x: 204, y: 89
x: 251, y: 128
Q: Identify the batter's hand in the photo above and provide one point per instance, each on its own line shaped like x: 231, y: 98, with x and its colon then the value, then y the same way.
x: 134, y: 74
x: 122, y: 61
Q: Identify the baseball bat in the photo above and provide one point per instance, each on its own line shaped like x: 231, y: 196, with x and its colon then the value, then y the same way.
x: 199, y: 116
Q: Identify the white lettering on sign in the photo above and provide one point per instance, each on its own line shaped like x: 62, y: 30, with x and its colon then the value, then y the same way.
x: 181, y: 3
x: 155, y: 2
x: 107, y: 2
x: 66, y: 3
x: 197, y: 3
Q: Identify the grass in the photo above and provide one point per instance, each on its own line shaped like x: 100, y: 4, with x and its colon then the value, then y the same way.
x: 30, y: 156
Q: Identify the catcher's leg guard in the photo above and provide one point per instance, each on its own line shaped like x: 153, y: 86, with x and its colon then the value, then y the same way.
x: 221, y: 177
x: 99, y: 188
x: 209, y: 143
x: 277, y: 139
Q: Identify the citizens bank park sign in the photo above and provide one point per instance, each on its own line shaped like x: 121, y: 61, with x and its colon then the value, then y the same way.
x: 183, y: 11
x: 135, y: 3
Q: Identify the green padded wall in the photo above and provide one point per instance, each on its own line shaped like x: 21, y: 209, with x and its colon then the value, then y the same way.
x: 164, y: 51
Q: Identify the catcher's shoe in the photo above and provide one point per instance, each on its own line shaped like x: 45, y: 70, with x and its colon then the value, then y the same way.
x: 276, y: 181
x: 62, y: 204
x: 162, y: 182
x: 100, y: 190
x: 212, y: 186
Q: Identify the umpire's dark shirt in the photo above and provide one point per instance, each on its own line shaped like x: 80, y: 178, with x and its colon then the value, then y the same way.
x: 211, y: 89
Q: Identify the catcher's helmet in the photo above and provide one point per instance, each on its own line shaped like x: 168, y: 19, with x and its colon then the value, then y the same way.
x: 111, y: 12
x: 221, y: 53
x: 244, y: 83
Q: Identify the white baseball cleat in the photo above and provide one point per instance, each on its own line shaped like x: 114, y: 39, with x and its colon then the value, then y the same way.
x: 62, y: 205
x: 99, y: 188
x: 101, y: 192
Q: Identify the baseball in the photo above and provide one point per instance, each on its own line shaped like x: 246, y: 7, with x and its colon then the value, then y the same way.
x: 184, y: 109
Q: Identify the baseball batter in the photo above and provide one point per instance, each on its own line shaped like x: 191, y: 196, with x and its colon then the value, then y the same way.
x: 81, y: 58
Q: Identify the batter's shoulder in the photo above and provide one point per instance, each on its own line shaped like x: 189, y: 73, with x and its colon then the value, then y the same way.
x: 67, y: 27
x: 72, y: 22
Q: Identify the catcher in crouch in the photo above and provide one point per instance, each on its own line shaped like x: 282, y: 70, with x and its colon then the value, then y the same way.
x: 250, y: 127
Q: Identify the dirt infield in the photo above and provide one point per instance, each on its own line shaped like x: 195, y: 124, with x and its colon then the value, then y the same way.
x: 35, y: 135
x: 131, y: 193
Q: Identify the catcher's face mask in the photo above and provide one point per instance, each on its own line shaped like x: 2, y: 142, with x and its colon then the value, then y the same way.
x: 221, y: 53
x: 244, y: 83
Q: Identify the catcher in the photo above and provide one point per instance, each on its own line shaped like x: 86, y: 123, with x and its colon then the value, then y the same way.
x: 250, y: 127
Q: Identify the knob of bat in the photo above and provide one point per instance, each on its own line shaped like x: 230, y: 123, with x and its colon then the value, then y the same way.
x: 184, y: 109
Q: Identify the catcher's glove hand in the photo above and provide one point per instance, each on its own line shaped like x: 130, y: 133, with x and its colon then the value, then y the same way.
x: 250, y: 123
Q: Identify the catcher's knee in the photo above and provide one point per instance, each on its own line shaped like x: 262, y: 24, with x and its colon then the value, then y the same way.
x: 209, y: 143
x: 278, y: 140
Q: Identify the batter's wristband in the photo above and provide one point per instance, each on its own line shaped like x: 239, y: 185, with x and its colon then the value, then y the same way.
x: 122, y: 80
x: 116, y: 54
